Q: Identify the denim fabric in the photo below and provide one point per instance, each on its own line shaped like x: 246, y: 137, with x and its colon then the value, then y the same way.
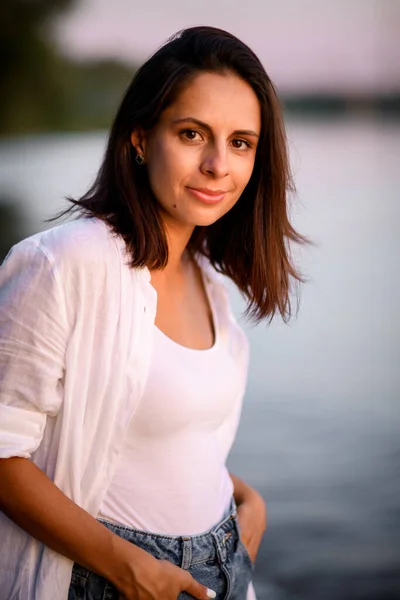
x: 216, y: 558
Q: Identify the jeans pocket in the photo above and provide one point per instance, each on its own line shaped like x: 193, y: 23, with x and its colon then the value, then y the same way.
x: 86, y: 585
x: 110, y: 592
x: 78, y: 584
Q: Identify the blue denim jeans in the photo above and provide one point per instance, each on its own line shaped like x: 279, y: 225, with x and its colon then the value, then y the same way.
x: 216, y: 558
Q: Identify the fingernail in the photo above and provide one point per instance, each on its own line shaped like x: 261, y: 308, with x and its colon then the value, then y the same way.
x: 211, y: 593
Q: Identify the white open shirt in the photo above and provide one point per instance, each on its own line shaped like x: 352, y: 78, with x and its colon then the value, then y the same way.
x: 76, y: 326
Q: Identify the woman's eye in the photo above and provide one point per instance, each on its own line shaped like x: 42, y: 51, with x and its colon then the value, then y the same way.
x: 240, y: 144
x: 191, y: 134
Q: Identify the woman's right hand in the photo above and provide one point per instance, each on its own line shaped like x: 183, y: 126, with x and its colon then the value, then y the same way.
x: 153, y: 579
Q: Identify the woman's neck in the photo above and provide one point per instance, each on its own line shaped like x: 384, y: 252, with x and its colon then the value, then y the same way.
x: 178, y: 239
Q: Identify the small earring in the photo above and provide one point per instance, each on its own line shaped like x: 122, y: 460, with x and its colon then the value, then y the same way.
x: 139, y: 159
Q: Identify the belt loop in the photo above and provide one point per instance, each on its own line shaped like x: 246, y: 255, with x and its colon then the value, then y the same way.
x: 219, y: 547
x: 186, y: 553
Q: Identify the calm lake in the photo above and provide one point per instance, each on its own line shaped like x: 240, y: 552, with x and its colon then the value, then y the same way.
x: 319, y: 435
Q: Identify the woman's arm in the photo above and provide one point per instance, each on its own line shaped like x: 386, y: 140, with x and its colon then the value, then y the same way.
x: 241, y: 491
x: 30, y: 499
x: 252, y: 515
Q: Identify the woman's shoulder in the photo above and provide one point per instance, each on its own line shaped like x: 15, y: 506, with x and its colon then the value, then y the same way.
x: 74, y: 245
x: 82, y: 239
x: 77, y: 263
x: 83, y: 255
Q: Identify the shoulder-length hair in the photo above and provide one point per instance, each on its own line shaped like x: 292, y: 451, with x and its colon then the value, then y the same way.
x: 249, y: 244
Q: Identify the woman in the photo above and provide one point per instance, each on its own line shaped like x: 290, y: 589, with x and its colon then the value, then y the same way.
x: 122, y: 368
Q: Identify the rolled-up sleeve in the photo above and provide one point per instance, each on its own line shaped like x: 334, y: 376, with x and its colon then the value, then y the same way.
x: 33, y: 337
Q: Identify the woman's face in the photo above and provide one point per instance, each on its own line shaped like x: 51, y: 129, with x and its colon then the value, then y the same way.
x: 201, y: 153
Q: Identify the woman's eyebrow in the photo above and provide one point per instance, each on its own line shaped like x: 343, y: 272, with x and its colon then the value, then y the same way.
x: 249, y: 132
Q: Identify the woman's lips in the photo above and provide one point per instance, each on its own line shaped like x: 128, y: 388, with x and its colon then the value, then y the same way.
x: 207, y: 196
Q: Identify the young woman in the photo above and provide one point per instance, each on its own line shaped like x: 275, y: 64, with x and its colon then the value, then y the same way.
x: 122, y: 369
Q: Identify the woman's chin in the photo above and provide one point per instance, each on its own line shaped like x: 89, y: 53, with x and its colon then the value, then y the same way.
x: 206, y: 222
x: 202, y: 218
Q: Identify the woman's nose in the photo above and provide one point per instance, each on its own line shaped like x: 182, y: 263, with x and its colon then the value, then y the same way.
x: 215, y: 160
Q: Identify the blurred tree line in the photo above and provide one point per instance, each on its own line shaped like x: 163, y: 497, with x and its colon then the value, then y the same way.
x: 40, y: 89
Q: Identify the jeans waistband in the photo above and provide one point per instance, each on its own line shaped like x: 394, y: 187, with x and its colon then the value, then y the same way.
x: 187, y: 550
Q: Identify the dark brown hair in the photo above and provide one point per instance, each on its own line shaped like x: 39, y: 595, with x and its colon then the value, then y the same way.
x: 249, y: 244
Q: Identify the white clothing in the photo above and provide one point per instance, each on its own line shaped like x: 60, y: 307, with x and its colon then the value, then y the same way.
x: 173, y: 456
x: 76, y: 332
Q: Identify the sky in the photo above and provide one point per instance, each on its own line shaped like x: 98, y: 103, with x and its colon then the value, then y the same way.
x: 305, y: 45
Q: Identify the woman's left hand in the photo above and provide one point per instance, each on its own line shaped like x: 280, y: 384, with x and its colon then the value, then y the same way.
x: 252, y: 519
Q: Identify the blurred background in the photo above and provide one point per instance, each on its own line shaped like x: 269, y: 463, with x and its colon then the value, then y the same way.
x: 319, y: 435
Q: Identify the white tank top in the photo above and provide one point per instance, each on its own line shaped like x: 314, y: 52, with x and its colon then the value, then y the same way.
x: 171, y: 476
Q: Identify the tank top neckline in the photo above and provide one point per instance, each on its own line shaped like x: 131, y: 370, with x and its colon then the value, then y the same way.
x: 214, y: 320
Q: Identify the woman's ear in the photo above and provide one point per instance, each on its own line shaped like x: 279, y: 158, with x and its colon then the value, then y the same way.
x: 138, y: 142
